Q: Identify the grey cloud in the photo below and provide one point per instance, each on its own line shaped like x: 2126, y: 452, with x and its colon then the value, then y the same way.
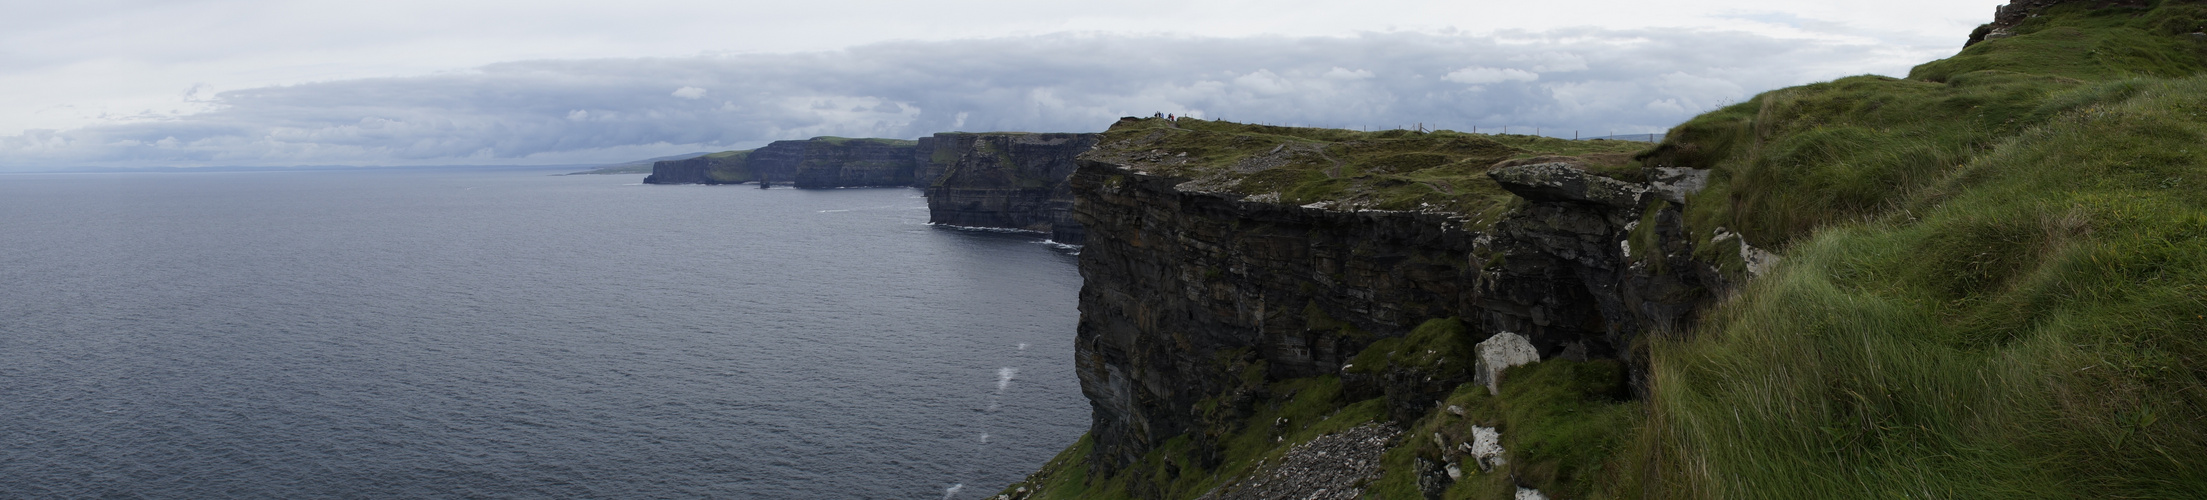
x: 577, y: 111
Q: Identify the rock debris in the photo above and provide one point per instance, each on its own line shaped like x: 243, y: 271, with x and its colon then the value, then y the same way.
x: 1334, y: 466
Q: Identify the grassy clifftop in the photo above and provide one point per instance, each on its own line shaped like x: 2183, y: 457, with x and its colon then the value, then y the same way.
x: 1387, y: 170
x: 1995, y: 277
x: 1993, y: 282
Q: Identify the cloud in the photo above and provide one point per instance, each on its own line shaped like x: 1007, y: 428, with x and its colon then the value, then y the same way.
x: 1476, y: 75
x: 603, y: 110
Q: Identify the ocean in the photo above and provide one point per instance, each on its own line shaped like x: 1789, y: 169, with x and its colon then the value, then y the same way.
x: 514, y: 334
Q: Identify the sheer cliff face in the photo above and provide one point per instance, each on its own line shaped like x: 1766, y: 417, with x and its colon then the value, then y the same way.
x: 1006, y: 180
x: 833, y: 163
x: 1187, y: 293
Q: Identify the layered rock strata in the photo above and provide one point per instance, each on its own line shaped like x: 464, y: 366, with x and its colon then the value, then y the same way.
x: 1004, y: 180
x: 1186, y: 290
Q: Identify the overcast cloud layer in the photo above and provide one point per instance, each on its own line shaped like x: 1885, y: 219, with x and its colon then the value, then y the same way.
x: 1588, y: 80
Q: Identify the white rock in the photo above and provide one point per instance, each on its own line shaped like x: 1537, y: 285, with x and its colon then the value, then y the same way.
x: 1486, y: 447
x: 1455, y: 473
x: 1758, y: 261
x: 1501, y: 352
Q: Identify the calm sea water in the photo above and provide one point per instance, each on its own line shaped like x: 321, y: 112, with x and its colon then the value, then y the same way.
x: 515, y: 334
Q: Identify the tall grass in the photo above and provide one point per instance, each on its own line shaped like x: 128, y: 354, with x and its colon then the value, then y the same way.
x: 2030, y: 324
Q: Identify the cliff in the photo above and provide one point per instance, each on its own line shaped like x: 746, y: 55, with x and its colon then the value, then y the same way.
x: 819, y: 162
x: 1224, y: 258
x: 1978, y: 281
x: 1004, y: 180
x: 834, y: 162
x: 728, y: 167
x: 1011, y: 180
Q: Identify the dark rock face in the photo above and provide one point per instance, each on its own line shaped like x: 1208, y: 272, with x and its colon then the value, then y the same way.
x: 1184, y: 290
x: 1005, y: 180
x: 835, y: 163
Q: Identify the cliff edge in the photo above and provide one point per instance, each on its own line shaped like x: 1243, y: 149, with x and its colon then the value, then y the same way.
x: 1982, y: 280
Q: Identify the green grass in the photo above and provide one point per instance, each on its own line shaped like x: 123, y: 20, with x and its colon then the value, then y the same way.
x: 730, y: 167
x: 1563, y: 424
x: 2073, y: 41
x: 1994, y: 285
x: 1439, y: 345
x: 1388, y: 170
x: 1300, y: 410
x: 2030, y: 325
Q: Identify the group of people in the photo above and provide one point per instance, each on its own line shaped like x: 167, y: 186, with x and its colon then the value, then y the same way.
x: 1165, y: 116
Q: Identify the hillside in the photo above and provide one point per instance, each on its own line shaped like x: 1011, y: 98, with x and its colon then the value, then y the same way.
x: 1985, y: 280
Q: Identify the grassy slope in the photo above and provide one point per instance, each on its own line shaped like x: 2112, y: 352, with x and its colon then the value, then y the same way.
x: 730, y: 166
x: 1562, y: 421
x: 1390, y: 170
x: 1994, y: 279
x: 1994, y: 285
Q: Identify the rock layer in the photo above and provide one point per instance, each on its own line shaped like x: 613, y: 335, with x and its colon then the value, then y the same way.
x: 1186, y: 290
x: 1004, y: 180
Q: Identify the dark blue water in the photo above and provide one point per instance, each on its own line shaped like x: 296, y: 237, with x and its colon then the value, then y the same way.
x: 514, y: 334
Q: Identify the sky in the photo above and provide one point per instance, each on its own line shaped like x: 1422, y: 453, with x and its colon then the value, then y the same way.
x: 128, y: 83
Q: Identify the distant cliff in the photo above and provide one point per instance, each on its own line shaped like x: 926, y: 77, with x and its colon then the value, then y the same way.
x: 819, y: 162
x: 1007, y: 180
x: 730, y: 167
x: 1012, y: 180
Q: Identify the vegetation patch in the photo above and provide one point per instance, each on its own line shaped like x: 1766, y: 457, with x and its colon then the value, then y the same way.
x: 1441, y: 171
x: 1998, y: 292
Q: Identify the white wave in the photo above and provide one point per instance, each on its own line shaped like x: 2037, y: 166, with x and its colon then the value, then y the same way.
x: 987, y: 229
x: 836, y: 211
x: 984, y: 437
x: 1022, y: 346
x: 1062, y: 246
x: 953, y: 490
x: 1004, y: 378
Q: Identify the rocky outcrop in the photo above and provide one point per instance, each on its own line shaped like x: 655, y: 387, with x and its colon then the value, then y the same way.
x: 1004, y: 180
x: 2006, y: 17
x: 1184, y: 291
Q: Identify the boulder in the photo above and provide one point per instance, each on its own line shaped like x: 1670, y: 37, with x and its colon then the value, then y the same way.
x: 1501, y: 352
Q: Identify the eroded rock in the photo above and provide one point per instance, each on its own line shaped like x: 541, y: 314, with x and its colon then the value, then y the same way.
x: 1563, y: 181
x: 1499, y: 353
